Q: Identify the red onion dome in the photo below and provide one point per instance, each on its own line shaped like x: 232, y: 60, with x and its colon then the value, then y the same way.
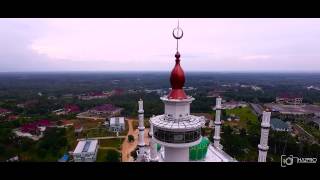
x: 177, y: 80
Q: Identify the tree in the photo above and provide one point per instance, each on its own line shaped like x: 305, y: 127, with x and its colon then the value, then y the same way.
x: 134, y: 153
x: 113, y: 156
x: 130, y: 138
x: 243, y: 132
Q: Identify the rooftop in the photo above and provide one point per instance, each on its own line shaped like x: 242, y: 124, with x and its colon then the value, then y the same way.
x: 86, y: 146
x: 30, y: 127
x: 190, y: 123
x: 2, y: 110
x: 278, y: 124
x: 71, y: 108
x: 294, y: 109
x: 116, y: 120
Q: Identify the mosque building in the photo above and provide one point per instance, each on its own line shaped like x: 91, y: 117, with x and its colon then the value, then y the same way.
x: 176, y: 134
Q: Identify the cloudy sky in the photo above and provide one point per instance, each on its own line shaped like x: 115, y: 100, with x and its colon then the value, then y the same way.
x: 147, y: 44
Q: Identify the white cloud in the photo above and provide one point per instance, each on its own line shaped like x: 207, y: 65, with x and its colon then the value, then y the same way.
x: 147, y: 44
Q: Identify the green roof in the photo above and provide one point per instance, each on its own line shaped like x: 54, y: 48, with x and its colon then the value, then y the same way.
x: 199, y: 152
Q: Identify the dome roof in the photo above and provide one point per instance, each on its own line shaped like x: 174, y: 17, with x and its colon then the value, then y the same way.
x: 177, y: 80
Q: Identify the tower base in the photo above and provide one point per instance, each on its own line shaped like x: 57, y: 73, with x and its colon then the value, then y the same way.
x: 176, y: 154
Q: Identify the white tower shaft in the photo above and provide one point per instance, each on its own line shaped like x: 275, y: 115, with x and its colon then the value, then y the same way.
x: 263, y: 146
x: 141, y: 142
x: 153, y: 147
x: 217, y: 124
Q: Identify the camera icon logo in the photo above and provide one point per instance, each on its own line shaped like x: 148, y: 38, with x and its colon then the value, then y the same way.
x: 286, y: 160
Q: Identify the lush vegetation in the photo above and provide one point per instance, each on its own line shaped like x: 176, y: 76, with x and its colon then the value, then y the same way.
x: 239, y: 139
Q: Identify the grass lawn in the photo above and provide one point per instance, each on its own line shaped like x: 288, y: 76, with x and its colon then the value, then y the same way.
x: 311, y: 130
x: 115, y: 142
x: 71, y: 138
x: 102, y: 155
x: 245, y: 115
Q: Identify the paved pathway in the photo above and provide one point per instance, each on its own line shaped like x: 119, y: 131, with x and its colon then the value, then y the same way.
x: 109, y: 137
x: 128, y: 147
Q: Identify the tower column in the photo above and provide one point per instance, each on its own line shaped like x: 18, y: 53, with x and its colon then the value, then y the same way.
x: 263, y: 146
x: 153, y: 147
x: 217, y: 124
x: 141, y: 143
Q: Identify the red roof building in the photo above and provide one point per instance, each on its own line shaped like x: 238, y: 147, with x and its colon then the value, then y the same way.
x: 286, y: 98
x: 71, y: 108
x: 4, y: 112
x: 32, y: 128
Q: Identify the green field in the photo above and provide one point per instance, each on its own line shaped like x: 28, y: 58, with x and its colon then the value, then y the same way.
x: 246, y: 115
x: 115, y: 142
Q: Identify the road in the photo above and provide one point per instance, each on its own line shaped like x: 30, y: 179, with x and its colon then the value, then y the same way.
x: 304, y: 131
x: 109, y: 137
x: 127, y: 147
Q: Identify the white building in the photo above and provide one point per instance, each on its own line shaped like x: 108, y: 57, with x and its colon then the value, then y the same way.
x: 177, y: 131
x: 86, y: 151
x: 116, y: 124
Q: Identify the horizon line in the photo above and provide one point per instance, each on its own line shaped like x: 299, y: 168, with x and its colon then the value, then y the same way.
x: 164, y: 71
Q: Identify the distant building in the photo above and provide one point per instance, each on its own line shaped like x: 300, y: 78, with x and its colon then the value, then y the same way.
x: 65, y: 123
x: 116, y: 124
x: 290, y: 111
x: 279, y: 125
x: 257, y: 109
x: 233, y: 117
x: 28, y: 104
x: 52, y: 98
x: 105, y: 110
x: 86, y: 151
x: 36, y: 128
x: 215, y: 93
x: 289, y: 99
x: 12, y: 117
x: 233, y: 105
x: 78, y: 128
x: 158, y: 91
x: 67, y: 96
x: 95, y: 95
x: 4, y: 112
x: 313, y: 87
x: 71, y: 108
x: 67, y: 109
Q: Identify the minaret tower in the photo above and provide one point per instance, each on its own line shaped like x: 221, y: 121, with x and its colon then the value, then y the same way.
x: 265, y: 126
x: 217, y: 123
x: 141, y: 143
x: 177, y: 130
